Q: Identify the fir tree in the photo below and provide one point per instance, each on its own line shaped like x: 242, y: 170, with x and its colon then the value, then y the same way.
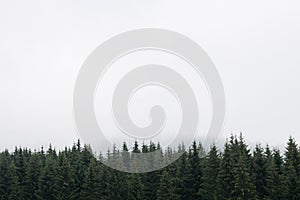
x: 243, y: 185
x: 274, y: 176
x: 167, y: 186
x: 9, y: 186
x: 65, y: 178
x: 210, y: 173
x: 291, y: 171
x: 32, y: 175
x: 192, y: 180
x: 225, y: 176
x: 74, y: 173
x: 48, y: 183
x: 91, y: 187
x: 260, y: 172
x: 20, y: 166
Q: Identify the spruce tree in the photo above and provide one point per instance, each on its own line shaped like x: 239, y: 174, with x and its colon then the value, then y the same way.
x: 150, y: 180
x: 260, y: 172
x: 9, y: 186
x: 225, y: 176
x: 135, y: 187
x: 210, y: 174
x: 20, y: 166
x: 291, y: 171
x: 48, y: 185
x: 32, y: 176
x: 91, y: 187
x: 243, y: 185
x: 65, y: 178
x: 167, y: 185
x: 78, y: 168
x: 192, y: 180
x: 275, y: 187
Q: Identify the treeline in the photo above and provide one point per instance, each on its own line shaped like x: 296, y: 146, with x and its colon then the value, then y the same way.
x: 233, y: 173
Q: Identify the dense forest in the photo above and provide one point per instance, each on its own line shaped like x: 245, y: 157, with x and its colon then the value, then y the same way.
x: 233, y: 172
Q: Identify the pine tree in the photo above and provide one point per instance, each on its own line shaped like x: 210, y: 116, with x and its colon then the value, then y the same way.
x: 260, y: 172
x: 167, y: 185
x: 91, y: 188
x: 78, y: 168
x: 291, y: 171
x: 20, y: 166
x: 135, y: 187
x: 32, y: 176
x: 125, y: 157
x: 48, y: 183
x: 113, y: 178
x: 274, y: 176
x: 9, y: 186
x: 181, y: 171
x: 225, y: 175
x: 243, y: 185
x: 192, y: 180
x: 65, y: 178
x: 210, y: 173
x: 150, y: 180
x: 76, y: 174
x: 135, y: 164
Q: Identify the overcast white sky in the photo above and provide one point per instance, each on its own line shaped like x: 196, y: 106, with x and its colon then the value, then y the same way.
x: 254, y: 44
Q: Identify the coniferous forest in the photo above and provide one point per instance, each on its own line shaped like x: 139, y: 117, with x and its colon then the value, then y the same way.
x: 233, y: 172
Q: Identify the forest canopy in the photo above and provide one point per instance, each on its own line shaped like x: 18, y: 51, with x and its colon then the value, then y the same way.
x: 233, y: 172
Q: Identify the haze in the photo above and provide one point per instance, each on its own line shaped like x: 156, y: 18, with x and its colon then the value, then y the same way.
x: 254, y: 44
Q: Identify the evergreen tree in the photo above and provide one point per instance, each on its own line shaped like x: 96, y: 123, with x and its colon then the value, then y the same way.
x: 65, y: 178
x: 260, y: 172
x: 150, y: 180
x: 291, y: 171
x: 167, y: 185
x: 20, y: 166
x: 135, y: 187
x: 125, y: 157
x: 192, y: 180
x: 243, y: 186
x: 181, y: 164
x: 74, y: 173
x: 210, y: 174
x: 48, y: 183
x: 78, y: 168
x: 32, y: 176
x: 225, y: 176
x: 91, y: 188
x: 9, y: 186
x: 274, y: 176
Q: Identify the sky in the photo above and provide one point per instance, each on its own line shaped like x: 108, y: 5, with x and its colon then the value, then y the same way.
x: 254, y: 45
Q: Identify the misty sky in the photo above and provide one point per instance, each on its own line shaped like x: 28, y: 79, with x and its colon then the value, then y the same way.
x: 255, y: 46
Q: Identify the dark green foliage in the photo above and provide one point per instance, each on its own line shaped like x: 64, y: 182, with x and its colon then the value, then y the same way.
x: 192, y: 180
x: 231, y: 173
x: 151, y: 179
x: 32, y: 175
x: 208, y: 189
x: 274, y: 178
x: 91, y: 187
x: 9, y: 185
x: 243, y: 184
x: 292, y: 171
x: 225, y: 174
x: 48, y: 186
x: 260, y: 172
x: 167, y: 185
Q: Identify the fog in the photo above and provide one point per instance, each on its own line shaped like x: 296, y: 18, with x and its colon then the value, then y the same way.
x: 255, y: 46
